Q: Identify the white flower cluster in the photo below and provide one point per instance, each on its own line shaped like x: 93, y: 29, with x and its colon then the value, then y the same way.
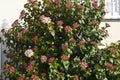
x: 29, y: 53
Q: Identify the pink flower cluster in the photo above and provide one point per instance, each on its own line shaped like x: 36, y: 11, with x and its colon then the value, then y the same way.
x: 35, y: 38
x: 30, y: 66
x: 79, y: 6
x: 43, y: 58
x: 51, y: 60
x: 95, y: 22
x: 14, y: 23
x: 75, y: 25
x: 22, y: 14
x: 26, y: 30
x: 68, y: 29
x: 113, y: 51
x: 95, y: 5
x: 11, y: 69
x: 68, y: 5
x: 21, y: 78
x: 60, y: 23
x: 56, y: 1
x: 34, y: 77
x: 72, y: 40
x: 31, y: 1
x: 64, y: 47
x: 75, y: 77
x: 9, y: 31
x: 11, y: 54
x: 19, y: 36
x: 35, y: 48
x: 107, y: 25
x: 109, y: 66
x: 43, y: 74
x: 81, y: 43
x: 64, y: 57
x: 94, y: 44
x: 84, y: 65
x: 45, y: 19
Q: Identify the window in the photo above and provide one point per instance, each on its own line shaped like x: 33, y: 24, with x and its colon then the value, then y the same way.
x: 113, y: 9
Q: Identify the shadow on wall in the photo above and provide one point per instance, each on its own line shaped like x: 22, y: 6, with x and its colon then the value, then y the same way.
x: 5, y: 26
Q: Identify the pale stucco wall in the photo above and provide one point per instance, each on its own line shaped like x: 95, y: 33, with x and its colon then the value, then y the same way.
x: 114, y: 31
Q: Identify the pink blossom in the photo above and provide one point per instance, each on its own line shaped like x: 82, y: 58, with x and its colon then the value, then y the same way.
x: 68, y: 29
x: 19, y: 36
x: 32, y: 62
x: 5, y: 68
x: 106, y: 33
x: 79, y: 6
x: 9, y: 31
x: 24, y: 64
x: 11, y: 54
x: 94, y: 1
x: 22, y: 14
x: 14, y: 23
x: 34, y: 78
x: 54, y: 78
x: 26, y: 30
x: 11, y: 69
x: 107, y: 25
x: 29, y: 68
x: 68, y: 5
x: 43, y: 58
x: 75, y: 25
x: 35, y: 48
x: 35, y: 72
x: 102, y: 31
x: 64, y: 57
x: 95, y: 5
x: 32, y: 20
x: 72, y: 40
x: 64, y: 47
x: 43, y: 74
x: 35, y: 39
x: 113, y: 51
x: 52, y: 47
x: 60, y: 23
x: 75, y: 77
x: 31, y: 1
x: 81, y: 43
x: 57, y: 1
x: 94, y: 22
x: 52, y: 59
x: 84, y: 65
x: 88, y: 68
x: 109, y: 66
x: 45, y: 19
x: 94, y: 43
x: 21, y: 78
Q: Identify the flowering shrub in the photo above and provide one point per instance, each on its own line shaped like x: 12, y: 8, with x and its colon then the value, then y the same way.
x: 58, y: 40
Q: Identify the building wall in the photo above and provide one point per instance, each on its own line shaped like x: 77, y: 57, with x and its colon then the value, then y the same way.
x: 114, y: 31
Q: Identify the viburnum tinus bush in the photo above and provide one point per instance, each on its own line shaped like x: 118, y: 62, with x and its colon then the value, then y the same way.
x: 58, y: 40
